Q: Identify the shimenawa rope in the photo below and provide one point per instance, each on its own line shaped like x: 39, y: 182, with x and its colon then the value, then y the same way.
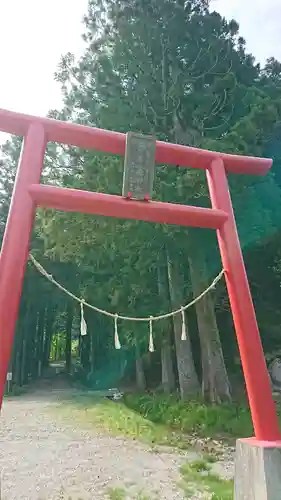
x: 117, y: 317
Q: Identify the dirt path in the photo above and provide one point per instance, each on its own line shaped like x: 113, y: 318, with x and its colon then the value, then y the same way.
x: 46, y: 460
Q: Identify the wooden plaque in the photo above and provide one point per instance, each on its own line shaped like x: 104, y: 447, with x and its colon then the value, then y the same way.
x: 139, y: 166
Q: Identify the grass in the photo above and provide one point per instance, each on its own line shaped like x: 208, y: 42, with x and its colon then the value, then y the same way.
x: 197, y: 476
x: 120, y: 494
x: 143, y: 496
x: 16, y: 391
x: 117, y: 418
x: 159, y: 420
x: 194, y: 417
x: 116, y: 493
x: 209, y: 458
x: 162, y: 420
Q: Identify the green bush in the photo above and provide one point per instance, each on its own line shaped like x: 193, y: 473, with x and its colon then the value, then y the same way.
x: 191, y: 417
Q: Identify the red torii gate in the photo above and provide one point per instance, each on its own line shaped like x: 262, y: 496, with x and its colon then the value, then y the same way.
x: 29, y: 193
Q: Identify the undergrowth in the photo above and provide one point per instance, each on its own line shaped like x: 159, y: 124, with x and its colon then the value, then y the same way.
x: 120, y: 494
x: 189, y: 417
x: 162, y: 420
x: 15, y: 391
x: 159, y: 420
x: 197, y: 476
x: 117, y: 418
x: 116, y: 494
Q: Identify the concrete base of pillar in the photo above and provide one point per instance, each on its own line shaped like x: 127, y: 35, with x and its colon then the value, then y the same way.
x: 257, y: 470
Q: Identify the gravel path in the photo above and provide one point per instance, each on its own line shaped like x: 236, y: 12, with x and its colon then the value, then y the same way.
x: 45, y: 460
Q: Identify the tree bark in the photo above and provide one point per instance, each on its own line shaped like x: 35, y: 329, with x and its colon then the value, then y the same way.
x: 31, y: 351
x: 25, y: 335
x: 188, y: 380
x: 93, y: 328
x: 40, y: 339
x: 49, y: 331
x: 215, y: 382
x: 85, y: 352
x: 29, y: 326
x: 35, y: 350
x: 68, y: 339
x: 16, y: 360
x: 168, y: 382
x: 167, y: 370
x: 140, y: 376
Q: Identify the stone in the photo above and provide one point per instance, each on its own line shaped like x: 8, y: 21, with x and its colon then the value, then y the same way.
x: 275, y: 372
x: 257, y: 470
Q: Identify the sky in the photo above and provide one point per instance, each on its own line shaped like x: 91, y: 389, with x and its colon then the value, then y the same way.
x: 259, y: 22
x: 35, y: 33
x: 33, y: 36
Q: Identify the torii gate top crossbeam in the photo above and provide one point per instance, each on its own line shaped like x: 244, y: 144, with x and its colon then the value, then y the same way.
x: 115, y: 142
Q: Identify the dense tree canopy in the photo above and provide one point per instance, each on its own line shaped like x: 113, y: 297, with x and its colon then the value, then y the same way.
x: 179, y: 71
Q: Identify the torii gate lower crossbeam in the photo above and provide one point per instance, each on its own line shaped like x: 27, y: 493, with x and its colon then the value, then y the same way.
x: 28, y: 193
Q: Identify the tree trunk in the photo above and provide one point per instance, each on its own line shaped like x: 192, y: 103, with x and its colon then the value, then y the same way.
x: 85, y: 351
x: 167, y: 376
x: 92, y: 355
x: 49, y: 331
x: 68, y: 339
x: 17, y: 357
x: 17, y: 352
x: 35, y: 350
x: 31, y: 344
x: 168, y: 382
x: 188, y: 380
x: 93, y: 328
x: 28, y: 341
x: 40, y: 339
x: 215, y: 382
x: 140, y: 376
x: 25, y: 335
x: 23, y: 365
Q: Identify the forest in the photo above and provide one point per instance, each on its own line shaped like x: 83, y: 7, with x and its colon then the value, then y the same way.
x: 179, y: 71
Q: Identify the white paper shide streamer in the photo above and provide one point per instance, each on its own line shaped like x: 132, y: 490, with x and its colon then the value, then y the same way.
x: 116, y: 336
x: 183, y: 327
x: 83, y: 325
x: 151, y: 344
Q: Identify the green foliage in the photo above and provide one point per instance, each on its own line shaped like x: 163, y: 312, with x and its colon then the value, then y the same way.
x: 197, y: 476
x: 200, y: 466
x: 116, y: 418
x: 57, y: 347
x: 116, y: 493
x: 179, y: 71
x: 143, y: 496
x: 119, y: 419
x: 150, y: 69
x: 16, y: 391
x: 189, y: 417
x: 163, y: 420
